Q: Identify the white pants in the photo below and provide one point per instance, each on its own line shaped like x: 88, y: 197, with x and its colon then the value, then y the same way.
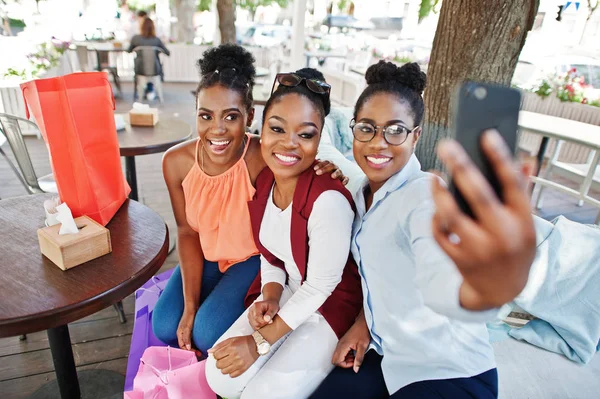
x: 293, y: 368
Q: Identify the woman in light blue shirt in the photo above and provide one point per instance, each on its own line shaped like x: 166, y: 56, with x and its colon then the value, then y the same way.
x: 431, y: 276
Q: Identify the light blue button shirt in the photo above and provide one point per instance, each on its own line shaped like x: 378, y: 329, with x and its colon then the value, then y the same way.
x: 410, y: 288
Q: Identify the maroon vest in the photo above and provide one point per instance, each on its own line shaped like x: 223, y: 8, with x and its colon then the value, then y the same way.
x: 343, y: 305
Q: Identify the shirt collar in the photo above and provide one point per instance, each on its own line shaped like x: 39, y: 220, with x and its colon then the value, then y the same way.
x: 412, y: 167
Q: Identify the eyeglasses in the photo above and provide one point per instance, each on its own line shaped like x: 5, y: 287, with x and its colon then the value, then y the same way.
x: 293, y: 80
x: 394, y: 134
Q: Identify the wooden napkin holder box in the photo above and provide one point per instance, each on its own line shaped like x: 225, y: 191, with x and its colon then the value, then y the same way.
x: 69, y: 250
x: 147, y: 118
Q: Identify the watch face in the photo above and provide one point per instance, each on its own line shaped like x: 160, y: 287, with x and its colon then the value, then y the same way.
x: 263, y: 348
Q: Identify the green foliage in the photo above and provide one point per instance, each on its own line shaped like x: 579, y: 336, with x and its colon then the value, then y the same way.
x: 16, y: 23
x: 427, y: 7
x: 145, y: 5
x: 342, y: 5
x: 402, y: 59
x: 567, y: 88
x: 252, y: 5
x: 203, y: 5
x: 11, y: 72
x: 544, y: 90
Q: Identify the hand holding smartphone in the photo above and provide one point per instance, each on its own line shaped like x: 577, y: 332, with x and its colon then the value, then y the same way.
x: 479, y: 107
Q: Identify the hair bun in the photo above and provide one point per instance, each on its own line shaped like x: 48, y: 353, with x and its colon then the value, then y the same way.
x: 228, y: 56
x: 310, y: 73
x: 408, y: 75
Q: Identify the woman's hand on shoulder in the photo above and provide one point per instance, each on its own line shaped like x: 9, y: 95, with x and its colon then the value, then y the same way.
x: 324, y: 167
x: 493, y: 252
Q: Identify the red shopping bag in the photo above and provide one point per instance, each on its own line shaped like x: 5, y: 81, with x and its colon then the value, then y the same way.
x: 75, y: 114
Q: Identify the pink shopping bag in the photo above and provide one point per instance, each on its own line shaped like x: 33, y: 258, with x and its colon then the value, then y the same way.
x: 169, y: 373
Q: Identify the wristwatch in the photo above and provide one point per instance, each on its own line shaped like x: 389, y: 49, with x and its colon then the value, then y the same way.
x: 262, y: 346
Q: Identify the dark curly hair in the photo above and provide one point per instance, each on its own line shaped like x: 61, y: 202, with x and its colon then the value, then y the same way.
x: 321, y: 102
x: 406, y: 82
x: 231, y: 66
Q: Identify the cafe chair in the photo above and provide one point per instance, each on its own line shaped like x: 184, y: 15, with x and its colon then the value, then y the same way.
x: 82, y: 57
x: 147, y: 69
x: 10, y: 129
x: 104, y: 66
x: 578, y: 173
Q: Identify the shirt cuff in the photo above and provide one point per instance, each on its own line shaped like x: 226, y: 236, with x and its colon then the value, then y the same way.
x: 299, y: 308
x: 449, y: 303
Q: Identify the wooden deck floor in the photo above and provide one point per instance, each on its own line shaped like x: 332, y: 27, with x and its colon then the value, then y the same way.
x: 100, y: 341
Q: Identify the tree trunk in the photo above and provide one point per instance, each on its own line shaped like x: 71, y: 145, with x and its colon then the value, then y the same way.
x: 226, y: 9
x: 476, y: 40
x: 185, y: 10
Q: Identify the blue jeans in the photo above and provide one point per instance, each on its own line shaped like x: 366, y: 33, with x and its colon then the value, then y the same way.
x: 369, y: 383
x: 221, y: 303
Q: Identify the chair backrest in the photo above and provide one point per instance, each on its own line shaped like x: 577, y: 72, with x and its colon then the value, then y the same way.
x: 82, y: 57
x: 149, y: 63
x: 10, y: 126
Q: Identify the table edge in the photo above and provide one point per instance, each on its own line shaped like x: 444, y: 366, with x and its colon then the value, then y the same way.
x: 61, y: 316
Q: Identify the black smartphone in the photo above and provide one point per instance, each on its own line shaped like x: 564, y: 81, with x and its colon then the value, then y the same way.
x: 478, y: 107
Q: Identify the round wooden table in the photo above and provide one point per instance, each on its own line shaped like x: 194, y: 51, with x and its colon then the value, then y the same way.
x: 143, y: 140
x: 36, y: 295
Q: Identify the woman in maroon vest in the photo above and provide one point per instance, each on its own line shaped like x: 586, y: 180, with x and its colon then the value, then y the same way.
x: 302, y: 223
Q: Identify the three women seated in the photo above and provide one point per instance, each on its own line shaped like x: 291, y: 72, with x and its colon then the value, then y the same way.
x: 295, y: 287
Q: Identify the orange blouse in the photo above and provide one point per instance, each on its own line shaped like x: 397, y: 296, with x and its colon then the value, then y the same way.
x: 217, y: 208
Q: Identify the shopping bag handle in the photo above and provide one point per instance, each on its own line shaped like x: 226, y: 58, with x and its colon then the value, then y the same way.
x: 23, y: 88
x: 162, y: 375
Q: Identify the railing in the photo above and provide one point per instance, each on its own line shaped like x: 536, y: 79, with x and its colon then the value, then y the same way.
x: 570, y: 152
x: 181, y: 66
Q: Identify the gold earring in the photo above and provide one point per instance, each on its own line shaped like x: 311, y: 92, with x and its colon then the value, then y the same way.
x: 260, y: 141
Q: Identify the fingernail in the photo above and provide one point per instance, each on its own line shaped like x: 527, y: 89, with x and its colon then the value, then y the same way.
x: 316, y: 167
x: 188, y: 347
x: 267, y: 317
x: 356, y: 369
x: 494, y: 137
x: 211, y: 350
x: 319, y: 171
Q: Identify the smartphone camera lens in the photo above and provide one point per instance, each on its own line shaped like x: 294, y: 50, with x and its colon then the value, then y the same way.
x: 480, y: 93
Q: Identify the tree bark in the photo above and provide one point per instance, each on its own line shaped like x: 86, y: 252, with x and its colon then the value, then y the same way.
x: 476, y: 40
x: 226, y: 10
x: 185, y: 10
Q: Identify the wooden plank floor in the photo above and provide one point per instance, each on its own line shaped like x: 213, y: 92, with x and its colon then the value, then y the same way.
x: 100, y: 341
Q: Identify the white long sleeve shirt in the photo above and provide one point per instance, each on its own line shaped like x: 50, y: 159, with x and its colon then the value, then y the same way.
x: 329, y: 233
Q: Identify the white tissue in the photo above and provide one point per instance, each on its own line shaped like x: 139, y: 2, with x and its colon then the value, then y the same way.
x: 142, y: 108
x: 50, y: 209
x: 66, y: 218
x: 120, y: 122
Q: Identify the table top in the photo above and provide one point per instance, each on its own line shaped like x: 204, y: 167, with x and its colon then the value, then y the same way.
x: 560, y: 128
x: 37, y: 295
x: 142, y: 140
x: 103, y: 46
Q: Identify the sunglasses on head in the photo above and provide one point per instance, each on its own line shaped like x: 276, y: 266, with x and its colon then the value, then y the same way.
x: 293, y: 80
